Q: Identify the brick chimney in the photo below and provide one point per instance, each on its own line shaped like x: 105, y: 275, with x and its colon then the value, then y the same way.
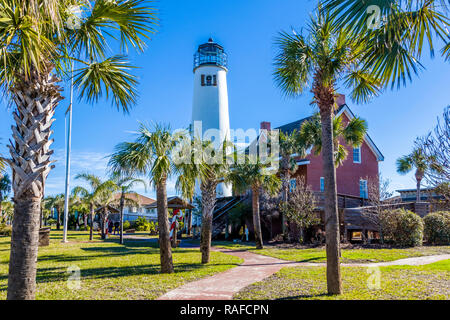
x: 340, y: 100
x: 266, y: 126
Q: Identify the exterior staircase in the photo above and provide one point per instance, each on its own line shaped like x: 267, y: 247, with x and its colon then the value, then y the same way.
x: 223, y: 206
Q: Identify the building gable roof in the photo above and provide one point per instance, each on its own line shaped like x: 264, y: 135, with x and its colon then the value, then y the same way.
x: 142, y: 200
x: 344, y: 109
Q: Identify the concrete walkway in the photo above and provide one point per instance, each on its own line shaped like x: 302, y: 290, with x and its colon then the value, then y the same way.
x: 255, y: 268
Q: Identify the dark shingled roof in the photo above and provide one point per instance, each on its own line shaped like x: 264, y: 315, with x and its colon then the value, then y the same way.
x: 290, y: 127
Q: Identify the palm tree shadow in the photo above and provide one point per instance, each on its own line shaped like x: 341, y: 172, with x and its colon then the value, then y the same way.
x: 304, y: 296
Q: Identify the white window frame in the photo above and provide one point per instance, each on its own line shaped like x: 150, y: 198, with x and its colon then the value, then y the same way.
x: 359, y: 152
x: 322, y: 184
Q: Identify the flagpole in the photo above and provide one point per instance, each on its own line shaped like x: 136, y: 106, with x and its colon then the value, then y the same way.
x: 67, y: 185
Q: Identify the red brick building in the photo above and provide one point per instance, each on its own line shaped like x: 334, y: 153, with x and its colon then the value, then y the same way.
x: 352, y: 175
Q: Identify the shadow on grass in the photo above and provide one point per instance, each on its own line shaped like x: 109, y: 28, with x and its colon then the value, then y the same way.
x: 130, y: 248
x: 305, y: 296
x: 45, y: 275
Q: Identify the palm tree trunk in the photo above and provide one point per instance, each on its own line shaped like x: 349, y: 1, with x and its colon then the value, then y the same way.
x: 256, y: 218
x: 208, y: 204
x: 36, y: 96
x: 122, y: 204
x: 24, y: 249
x: 104, y: 218
x: 419, y: 177
x: 91, y: 231
x: 1, y: 200
x: 285, y: 181
x: 165, y: 249
x: 331, y: 208
x: 58, y: 219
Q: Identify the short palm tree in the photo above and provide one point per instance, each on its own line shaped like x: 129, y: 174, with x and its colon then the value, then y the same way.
x: 405, y: 26
x: 41, y: 41
x: 92, y: 195
x: 106, y: 200
x: 352, y: 134
x: 418, y: 160
x: 57, y: 203
x: 290, y: 144
x: 125, y: 184
x: 151, y: 154
x: 209, y: 173
x: 324, y: 58
x: 256, y: 176
x: 5, y: 188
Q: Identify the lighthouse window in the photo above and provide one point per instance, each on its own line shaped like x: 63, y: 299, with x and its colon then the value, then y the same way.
x: 209, y: 81
x: 214, y: 80
x: 203, y: 80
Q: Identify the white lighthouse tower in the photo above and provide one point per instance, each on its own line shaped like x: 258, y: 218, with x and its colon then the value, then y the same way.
x: 210, y: 103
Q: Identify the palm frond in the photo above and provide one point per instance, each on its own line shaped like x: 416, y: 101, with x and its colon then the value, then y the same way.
x: 293, y: 64
x: 111, y: 77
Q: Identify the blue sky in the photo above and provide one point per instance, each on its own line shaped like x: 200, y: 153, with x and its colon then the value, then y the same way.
x: 247, y: 30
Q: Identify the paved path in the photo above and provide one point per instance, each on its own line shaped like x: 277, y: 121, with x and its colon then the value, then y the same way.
x: 255, y: 267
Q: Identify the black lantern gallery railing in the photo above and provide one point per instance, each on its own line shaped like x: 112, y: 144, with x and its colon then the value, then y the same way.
x: 210, y: 54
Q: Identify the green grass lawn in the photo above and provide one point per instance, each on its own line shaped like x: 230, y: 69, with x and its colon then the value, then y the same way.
x: 348, y: 255
x: 109, y: 270
x: 396, y: 283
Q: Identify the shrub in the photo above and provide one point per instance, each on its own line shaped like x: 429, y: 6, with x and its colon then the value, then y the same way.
x: 437, y: 228
x: 404, y: 228
x: 152, y: 227
x: 142, y: 224
x: 5, y: 230
x: 51, y: 222
x: 126, y: 225
x: 85, y: 228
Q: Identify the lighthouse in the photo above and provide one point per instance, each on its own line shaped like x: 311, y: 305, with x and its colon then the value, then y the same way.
x: 210, y: 101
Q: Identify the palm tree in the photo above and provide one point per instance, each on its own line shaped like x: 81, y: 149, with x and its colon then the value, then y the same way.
x: 125, y: 183
x: 209, y: 173
x: 352, y: 134
x: 150, y: 155
x: 326, y: 56
x: 92, y: 197
x: 5, y: 188
x: 404, y: 27
x: 256, y: 176
x: 290, y: 144
x: 57, y: 203
x: 105, y: 200
x: 40, y: 40
x: 417, y: 159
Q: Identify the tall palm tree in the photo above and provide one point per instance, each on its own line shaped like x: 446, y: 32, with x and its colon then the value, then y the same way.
x: 91, y: 196
x: 256, y: 176
x: 418, y: 160
x: 125, y: 184
x: 351, y: 134
x: 326, y: 56
x: 5, y: 188
x: 403, y: 25
x: 150, y: 155
x: 290, y: 144
x: 39, y: 40
x: 210, y: 170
